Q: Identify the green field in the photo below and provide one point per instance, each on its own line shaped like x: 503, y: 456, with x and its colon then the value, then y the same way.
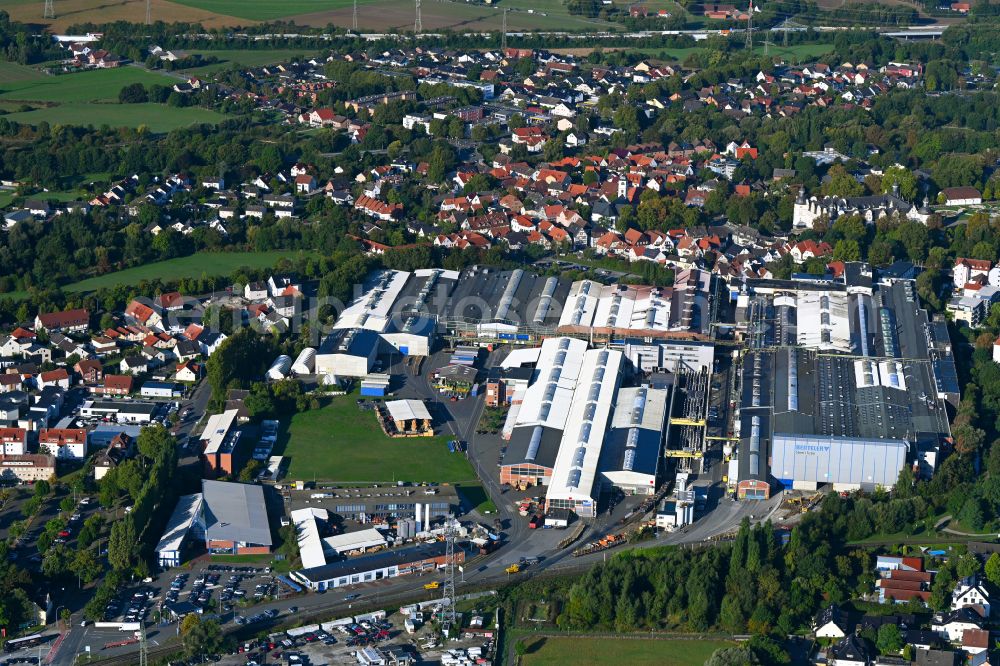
x: 91, y: 86
x: 90, y: 98
x: 265, y: 10
x: 244, y: 58
x: 155, y: 117
x: 340, y: 442
x: 195, y: 265
x: 634, y: 652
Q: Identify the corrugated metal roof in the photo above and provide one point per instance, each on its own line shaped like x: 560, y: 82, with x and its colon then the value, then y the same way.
x: 235, y: 512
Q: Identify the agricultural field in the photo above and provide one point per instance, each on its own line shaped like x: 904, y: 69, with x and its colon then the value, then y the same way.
x: 340, y: 442
x: 373, y: 15
x: 69, y: 12
x: 212, y: 263
x: 91, y: 86
x: 155, y: 117
x: 90, y: 98
x: 635, y: 652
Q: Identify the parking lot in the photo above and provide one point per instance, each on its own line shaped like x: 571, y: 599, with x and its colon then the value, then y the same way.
x: 338, y: 641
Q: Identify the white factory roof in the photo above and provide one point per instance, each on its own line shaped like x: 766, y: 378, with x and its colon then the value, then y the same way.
x: 589, y: 416
x: 440, y: 272
x: 216, y: 430
x: 518, y: 357
x: 372, y: 310
x: 344, y: 543
x: 547, y: 400
x: 581, y: 303
x: 187, y: 510
x: 652, y: 412
x: 405, y: 410
x: 823, y: 321
x: 617, y: 306
x: 310, y: 543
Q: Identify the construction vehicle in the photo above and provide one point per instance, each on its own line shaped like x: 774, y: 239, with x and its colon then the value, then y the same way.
x: 512, y: 569
x: 610, y: 541
x: 432, y: 586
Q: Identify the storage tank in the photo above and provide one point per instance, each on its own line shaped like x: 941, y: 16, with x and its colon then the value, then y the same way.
x: 305, y: 362
x: 279, y: 369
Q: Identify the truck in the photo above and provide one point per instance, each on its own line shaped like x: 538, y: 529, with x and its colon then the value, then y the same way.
x: 536, y: 521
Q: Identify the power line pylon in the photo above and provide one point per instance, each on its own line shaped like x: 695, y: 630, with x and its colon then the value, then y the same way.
x: 448, y: 611
x: 49, y: 11
x: 750, y: 27
x: 149, y: 12
x: 503, y: 34
x: 418, y: 24
x: 354, y: 19
x: 143, y: 647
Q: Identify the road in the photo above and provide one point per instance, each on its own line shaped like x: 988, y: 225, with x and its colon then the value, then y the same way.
x: 77, y: 638
x: 460, y: 419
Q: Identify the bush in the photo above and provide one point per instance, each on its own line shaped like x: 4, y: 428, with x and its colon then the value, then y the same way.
x: 134, y: 93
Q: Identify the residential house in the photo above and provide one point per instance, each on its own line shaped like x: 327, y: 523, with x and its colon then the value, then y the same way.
x: 58, y: 377
x: 852, y: 650
x: 91, y: 371
x: 952, y: 625
x: 117, y: 385
x: 63, y: 443
x: 14, y: 441
x: 831, y: 622
x: 69, y: 321
x: 971, y: 593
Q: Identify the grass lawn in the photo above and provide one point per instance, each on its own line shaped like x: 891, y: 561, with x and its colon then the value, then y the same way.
x: 245, y: 58
x: 11, y: 72
x: 635, y: 652
x: 210, y: 263
x: 79, y: 99
x: 340, y: 442
x: 156, y: 117
x: 93, y: 85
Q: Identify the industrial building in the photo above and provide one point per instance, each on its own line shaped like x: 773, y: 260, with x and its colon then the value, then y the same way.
x: 634, y: 445
x: 183, y: 523
x: 378, y: 566
x: 844, y: 383
x: 123, y: 411
x: 221, y: 450
x: 315, y: 549
x: 234, y: 518
x: 575, y: 483
x: 681, y: 310
x: 538, y: 412
x: 347, y: 352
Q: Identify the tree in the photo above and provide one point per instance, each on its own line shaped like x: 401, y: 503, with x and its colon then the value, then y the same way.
x: 902, y: 177
x: 250, y: 471
x: 122, y: 546
x: 42, y: 488
x: 992, y: 569
x: 134, y: 93
x: 847, y: 250
x: 201, y: 636
x: 890, y: 640
x: 733, y: 656
x: 86, y: 565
